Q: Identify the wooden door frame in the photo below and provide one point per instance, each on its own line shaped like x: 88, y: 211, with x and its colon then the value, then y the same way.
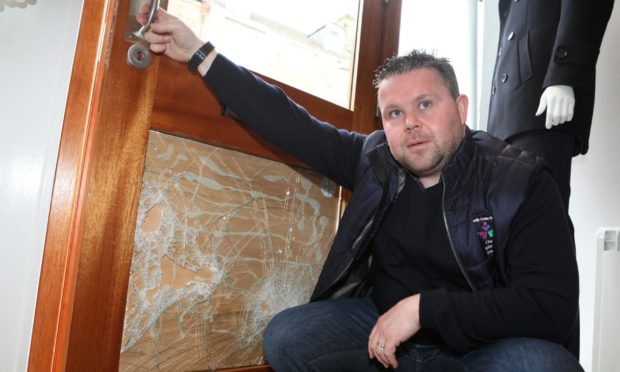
x: 49, y: 342
x: 87, y: 255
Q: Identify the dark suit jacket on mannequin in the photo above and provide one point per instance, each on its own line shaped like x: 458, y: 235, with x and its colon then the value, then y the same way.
x: 544, y: 43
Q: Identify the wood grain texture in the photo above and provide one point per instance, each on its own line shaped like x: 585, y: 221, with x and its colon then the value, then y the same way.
x: 379, y: 41
x: 185, y: 107
x: 115, y: 157
x: 54, y: 308
x: 264, y: 368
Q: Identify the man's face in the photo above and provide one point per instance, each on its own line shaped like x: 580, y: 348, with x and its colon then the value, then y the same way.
x: 423, y: 123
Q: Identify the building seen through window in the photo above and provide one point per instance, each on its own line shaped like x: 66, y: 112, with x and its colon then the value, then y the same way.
x: 308, y: 45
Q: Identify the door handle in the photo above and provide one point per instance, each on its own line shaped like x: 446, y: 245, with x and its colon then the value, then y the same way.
x: 149, y: 19
x: 139, y: 55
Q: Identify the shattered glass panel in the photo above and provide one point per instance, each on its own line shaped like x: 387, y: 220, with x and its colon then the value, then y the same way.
x: 224, y: 241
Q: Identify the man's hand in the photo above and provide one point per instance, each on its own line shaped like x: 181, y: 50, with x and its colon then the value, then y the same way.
x: 169, y: 35
x: 394, y: 327
x: 559, y: 101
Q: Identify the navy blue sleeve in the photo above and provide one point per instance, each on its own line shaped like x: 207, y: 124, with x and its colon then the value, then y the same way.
x: 579, y: 35
x: 271, y: 114
x: 541, y: 298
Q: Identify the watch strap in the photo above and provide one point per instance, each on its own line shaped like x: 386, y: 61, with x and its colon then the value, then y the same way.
x: 200, y: 56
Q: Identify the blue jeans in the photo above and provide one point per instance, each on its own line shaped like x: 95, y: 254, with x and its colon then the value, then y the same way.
x: 332, y: 335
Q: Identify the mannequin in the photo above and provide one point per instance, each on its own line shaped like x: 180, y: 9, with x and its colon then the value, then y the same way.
x: 546, y: 63
x: 559, y: 101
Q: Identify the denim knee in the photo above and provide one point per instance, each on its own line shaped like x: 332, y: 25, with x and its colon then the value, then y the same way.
x: 274, y: 336
x: 522, y: 354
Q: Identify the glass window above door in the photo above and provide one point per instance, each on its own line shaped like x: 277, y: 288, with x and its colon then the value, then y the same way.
x: 307, y: 45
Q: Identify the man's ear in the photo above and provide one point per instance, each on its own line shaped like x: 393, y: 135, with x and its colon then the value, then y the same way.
x: 461, y: 103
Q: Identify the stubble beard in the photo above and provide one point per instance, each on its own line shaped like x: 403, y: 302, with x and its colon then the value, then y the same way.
x: 422, y: 163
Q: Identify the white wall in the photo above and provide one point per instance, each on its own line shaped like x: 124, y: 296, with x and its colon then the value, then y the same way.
x: 37, y: 42
x: 595, y: 181
x: 449, y: 36
x: 595, y: 198
x: 488, y: 29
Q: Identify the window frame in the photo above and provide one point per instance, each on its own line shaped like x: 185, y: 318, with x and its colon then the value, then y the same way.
x: 377, y: 40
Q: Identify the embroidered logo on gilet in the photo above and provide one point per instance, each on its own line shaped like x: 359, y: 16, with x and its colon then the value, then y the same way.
x: 485, y: 228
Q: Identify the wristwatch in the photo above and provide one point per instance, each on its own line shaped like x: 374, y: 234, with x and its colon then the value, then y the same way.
x: 200, y: 56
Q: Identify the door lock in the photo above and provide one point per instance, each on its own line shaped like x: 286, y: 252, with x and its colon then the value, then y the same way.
x: 139, y: 55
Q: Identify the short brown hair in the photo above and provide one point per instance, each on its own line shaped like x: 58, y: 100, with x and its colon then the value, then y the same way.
x: 414, y: 60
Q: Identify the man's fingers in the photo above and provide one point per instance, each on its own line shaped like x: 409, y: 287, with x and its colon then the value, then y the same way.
x: 141, y: 17
x: 391, y: 358
x: 387, y: 359
x: 156, y: 38
x: 161, y: 15
x: 382, y: 359
x: 162, y: 27
x: 372, y: 342
x: 158, y: 48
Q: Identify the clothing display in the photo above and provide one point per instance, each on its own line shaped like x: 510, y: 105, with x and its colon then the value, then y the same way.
x: 541, y: 44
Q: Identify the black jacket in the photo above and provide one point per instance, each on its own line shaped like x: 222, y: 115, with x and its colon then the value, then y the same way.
x: 513, y: 283
x: 544, y: 43
x: 486, y: 180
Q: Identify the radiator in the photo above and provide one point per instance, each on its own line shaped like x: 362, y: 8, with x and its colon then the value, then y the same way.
x: 605, y: 350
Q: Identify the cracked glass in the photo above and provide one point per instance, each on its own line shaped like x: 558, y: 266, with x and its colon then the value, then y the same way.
x: 224, y: 241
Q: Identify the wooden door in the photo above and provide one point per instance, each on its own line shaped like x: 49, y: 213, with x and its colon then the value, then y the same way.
x: 111, y: 106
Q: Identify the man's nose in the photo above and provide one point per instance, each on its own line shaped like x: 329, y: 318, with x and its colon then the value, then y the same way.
x: 411, y: 122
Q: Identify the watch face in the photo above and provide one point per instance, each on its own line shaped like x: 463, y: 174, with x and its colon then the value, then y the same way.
x: 200, y: 55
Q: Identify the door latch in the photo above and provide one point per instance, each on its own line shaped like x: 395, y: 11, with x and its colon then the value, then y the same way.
x: 139, y: 55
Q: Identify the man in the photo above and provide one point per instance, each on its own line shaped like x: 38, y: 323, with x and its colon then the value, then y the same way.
x: 471, y: 265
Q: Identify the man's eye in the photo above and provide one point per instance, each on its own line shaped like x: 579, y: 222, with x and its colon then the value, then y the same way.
x: 424, y: 105
x: 394, y: 113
